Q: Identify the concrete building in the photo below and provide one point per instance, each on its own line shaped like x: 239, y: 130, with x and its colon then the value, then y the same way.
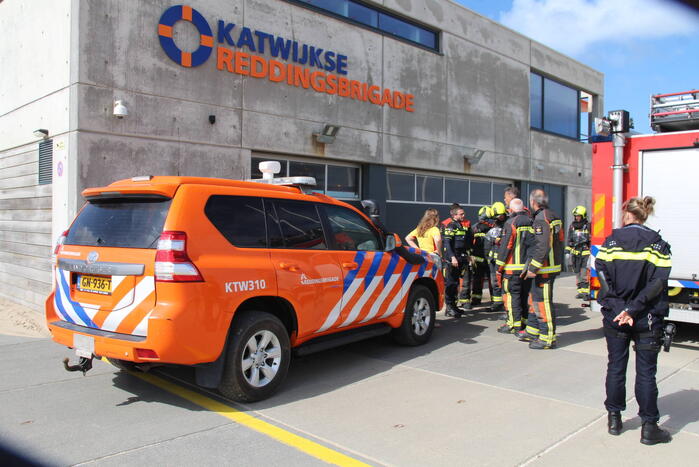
x: 432, y: 103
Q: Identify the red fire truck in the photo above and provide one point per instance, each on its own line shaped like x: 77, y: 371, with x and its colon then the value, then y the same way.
x: 664, y: 165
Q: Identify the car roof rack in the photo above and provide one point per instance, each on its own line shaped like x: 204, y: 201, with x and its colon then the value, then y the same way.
x: 305, y: 184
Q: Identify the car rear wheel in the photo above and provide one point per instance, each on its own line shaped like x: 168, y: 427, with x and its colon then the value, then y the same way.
x: 418, y: 319
x: 258, y: 357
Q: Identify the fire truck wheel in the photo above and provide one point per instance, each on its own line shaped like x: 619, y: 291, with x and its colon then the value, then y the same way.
x: 258, y: 357
x: 418, y: 320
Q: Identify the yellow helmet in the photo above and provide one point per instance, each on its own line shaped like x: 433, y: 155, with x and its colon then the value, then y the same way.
x: 580, y: 211
x: 485, y: 213
x: 499, y: 208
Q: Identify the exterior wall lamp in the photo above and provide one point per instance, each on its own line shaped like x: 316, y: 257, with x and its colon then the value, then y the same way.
x: 328, y: 134
x: 474, y: 156
x: 41, y: 133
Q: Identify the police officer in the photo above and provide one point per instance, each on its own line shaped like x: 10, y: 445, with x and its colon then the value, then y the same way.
x: 458, y: 241
x: 479, y: 259
x: 633, y: 265
x: 578, y: 249
x: 511, y: 258
x: 544, y: 257
x: 491, y: 245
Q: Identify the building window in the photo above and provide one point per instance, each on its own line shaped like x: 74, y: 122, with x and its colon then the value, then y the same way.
x: 338, y: 181
x: 46, y: 162
x: 554, y: 107
x: 425, y: 189
x: 376, y: 19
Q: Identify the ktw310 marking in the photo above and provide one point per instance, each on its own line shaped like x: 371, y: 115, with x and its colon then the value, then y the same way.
x: 245, y: 286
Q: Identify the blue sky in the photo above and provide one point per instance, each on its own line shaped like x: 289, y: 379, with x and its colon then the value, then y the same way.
x: 643, y: 47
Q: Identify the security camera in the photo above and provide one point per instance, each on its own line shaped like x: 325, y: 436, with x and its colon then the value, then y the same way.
x: 120, y: 110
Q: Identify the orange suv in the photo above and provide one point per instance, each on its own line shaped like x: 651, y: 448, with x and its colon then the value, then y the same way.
x: 231, y: 277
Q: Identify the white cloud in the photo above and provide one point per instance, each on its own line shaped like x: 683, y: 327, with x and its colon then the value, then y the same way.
x: 573, y: 26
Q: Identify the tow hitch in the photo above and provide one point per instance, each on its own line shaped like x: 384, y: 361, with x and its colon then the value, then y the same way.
x: 84, y: 365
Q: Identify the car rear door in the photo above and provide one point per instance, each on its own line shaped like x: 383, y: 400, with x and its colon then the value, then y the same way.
x: 105, y: 268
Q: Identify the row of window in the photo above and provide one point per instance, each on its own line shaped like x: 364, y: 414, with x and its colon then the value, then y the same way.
x: 554, y: 107
x: 249, y: 222
x: 430, y: 189
x: 376, y: 19
x: 338, y: 181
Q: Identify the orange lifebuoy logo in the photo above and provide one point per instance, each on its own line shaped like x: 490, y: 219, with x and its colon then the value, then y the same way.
x: 206, y: 39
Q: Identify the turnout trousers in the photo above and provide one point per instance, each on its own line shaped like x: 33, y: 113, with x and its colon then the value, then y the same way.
x: 481, y: 273
x: 496, y: 294
x: 646, y: 334
x: 542, y: 315
x: 580, y: 270
x: 452, y: 281
x: 516, y: 295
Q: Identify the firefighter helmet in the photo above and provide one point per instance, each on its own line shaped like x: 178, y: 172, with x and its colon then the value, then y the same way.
x: 580, y: 211
x: 485, y: 213
x: 498, y: 208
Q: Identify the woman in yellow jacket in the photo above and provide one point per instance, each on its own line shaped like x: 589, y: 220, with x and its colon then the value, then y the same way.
x: 426, y: 234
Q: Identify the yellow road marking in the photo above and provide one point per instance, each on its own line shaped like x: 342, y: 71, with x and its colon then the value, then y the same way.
x: 302, y: 444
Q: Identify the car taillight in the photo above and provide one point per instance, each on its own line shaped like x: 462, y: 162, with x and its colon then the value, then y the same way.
x: 172, y: 264
x: 59, y: 243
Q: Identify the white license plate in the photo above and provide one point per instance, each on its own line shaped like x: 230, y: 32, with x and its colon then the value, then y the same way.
x: 84, y: 345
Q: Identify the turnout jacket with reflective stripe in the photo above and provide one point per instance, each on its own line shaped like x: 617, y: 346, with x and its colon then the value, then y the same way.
x: 512, y: 253
x: 631, y: 258
x: 458, y: 239
x: 579, y: 238
x: 545, y: 248
x: 480, y: 230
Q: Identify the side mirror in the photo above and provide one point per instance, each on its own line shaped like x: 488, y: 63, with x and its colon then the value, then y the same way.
x: 392, y: 241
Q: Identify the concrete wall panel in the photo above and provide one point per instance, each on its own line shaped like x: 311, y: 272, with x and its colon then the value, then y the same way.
x: 412, y: 70
x: 34, y: 52
x: 106, y: 158
x: 566, y: 69
x: 119, y: 48
x: 50, y: 112
x: 159, y: 117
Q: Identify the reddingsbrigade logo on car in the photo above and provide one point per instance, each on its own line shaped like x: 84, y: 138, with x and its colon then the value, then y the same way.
x: 306, y: 281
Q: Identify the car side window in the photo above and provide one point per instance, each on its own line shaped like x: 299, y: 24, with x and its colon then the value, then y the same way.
x: 350, y: 231
x: 240, y: 219
x: 300, y: 225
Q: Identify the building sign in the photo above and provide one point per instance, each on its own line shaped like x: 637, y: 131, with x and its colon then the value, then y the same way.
x: 239, y: 50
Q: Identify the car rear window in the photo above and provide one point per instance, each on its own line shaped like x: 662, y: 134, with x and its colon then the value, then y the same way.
x: 241, y: 219
x: 119, y: 222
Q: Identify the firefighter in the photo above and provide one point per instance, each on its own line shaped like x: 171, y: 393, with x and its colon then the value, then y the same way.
x: 491, y: 245
x: 458, y: 241
x: 511, y: 258
x: 633, y: 265
x: 578, y: 250
x: 544, y: 257
x: 479, y: 259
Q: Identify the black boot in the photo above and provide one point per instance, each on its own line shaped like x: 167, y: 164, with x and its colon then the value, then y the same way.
x: 453, y: 312
x: 614, y: 424
x: 651, y: 434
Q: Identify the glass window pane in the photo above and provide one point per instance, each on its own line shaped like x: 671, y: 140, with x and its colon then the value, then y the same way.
x: 300, y: 225
x: 398, y: 27
x: 336, y: 6
x: 363, y: 14
x: 535, y: 100
x: 350, y: 231
x: 498, y: 191
x: 305, y: 169
x: 401, y: 187
x: 555, y: 193
x: 255, y: 163
x: 560, y: 109
x: 241, y: 219
x: 427, y: 38
x: 429, y: 189
x: 120, y: 223
x: 455, y: 191
x: 480, y: 192
x: 343, y: 182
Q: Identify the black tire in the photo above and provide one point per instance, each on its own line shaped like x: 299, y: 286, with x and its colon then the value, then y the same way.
x: 418, y: 318
x: 269, y: 371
